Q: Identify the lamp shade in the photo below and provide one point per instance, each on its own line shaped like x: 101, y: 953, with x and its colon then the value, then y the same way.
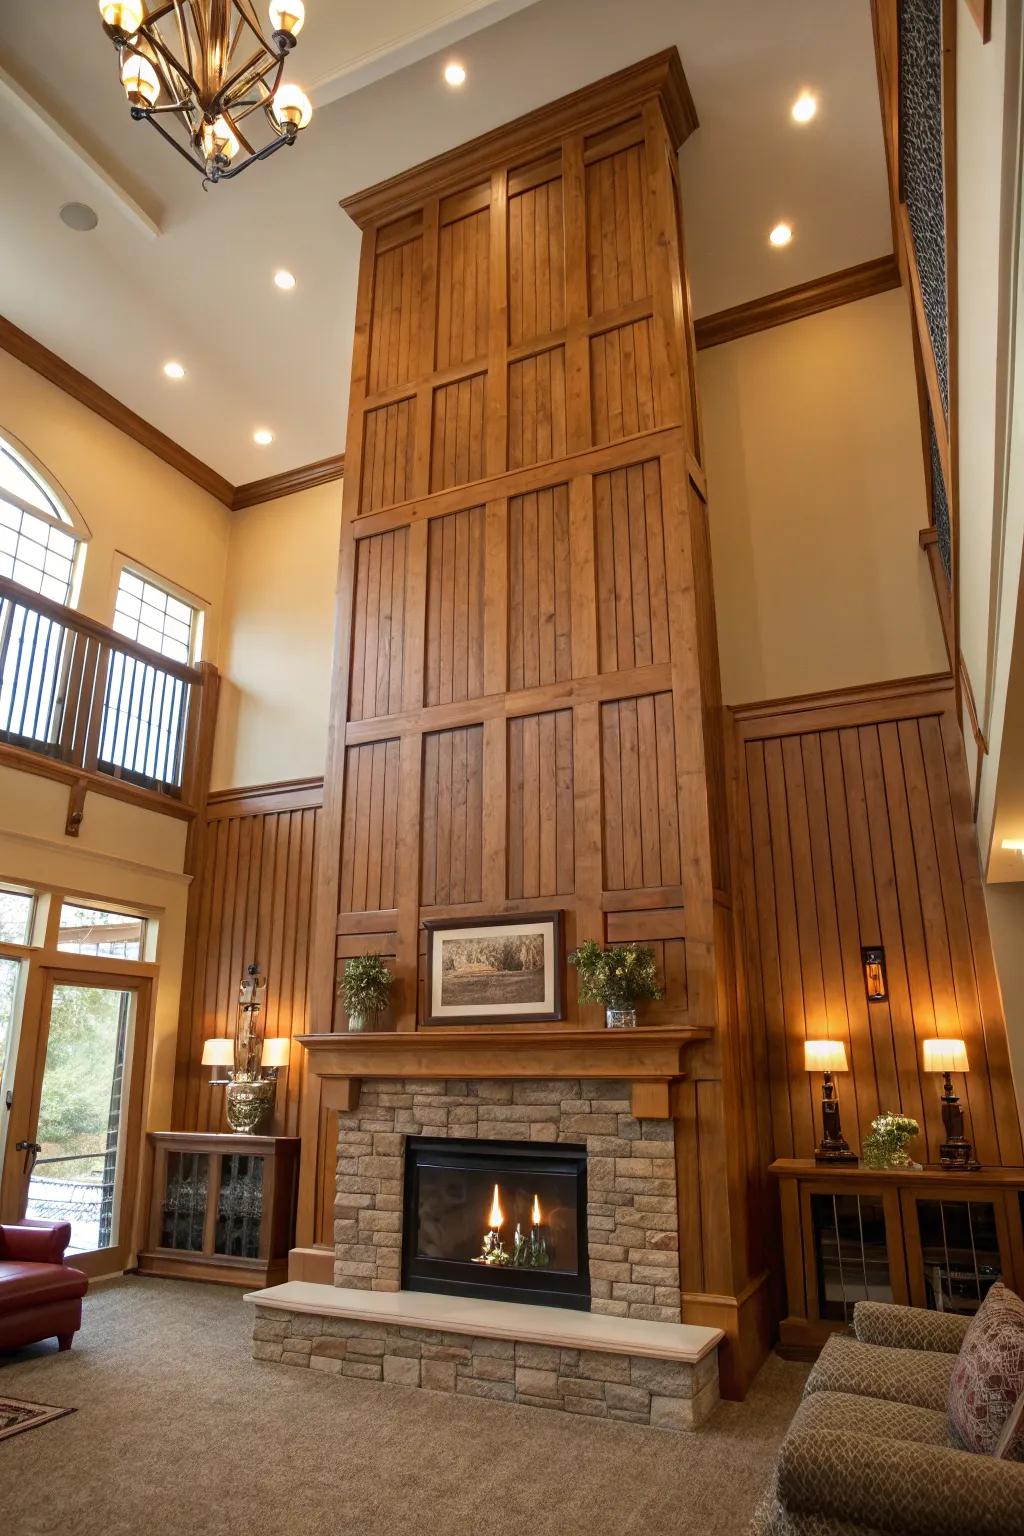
x: 945, y: 1056
x: 219, y: 1052
x: 276, y: 1051
x: 824, y: 1056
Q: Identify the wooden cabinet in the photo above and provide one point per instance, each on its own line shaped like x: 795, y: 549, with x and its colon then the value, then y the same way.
x: 928, y: 1239
x: 222, y: 1207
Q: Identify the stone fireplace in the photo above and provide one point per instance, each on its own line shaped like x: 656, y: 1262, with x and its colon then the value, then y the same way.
x: 627, y: 1231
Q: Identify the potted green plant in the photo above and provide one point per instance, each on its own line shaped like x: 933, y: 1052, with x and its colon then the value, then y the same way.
x: 616, y: 978
x: 885, y: 1145
x: 365, y: 988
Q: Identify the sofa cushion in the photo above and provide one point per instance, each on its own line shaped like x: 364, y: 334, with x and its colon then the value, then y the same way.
x: 914, y: 1376
x: 883, y: 1322
x: 844, y: 1413
x: 32, y: 1285
x: 770, y: 1519
x: 988, y: 1376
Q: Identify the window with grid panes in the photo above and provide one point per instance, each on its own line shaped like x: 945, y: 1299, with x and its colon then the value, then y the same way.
x: 37, y: 547
x: 155, y: 617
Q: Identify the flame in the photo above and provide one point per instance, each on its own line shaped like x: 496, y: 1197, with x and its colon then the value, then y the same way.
x: 535, y: 1215
x: 497, y: 1215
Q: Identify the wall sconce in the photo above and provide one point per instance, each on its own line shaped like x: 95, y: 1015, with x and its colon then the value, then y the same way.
x: 828, y: 1056
x: 1013, y: 844
x: 956, y: 1154
x: 873, y: 958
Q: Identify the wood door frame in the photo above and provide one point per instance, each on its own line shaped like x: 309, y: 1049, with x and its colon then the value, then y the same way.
x: 45, y: 972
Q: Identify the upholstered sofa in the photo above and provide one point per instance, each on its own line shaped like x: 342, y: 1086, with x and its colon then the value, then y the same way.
x: 40, y: 1295
x: 872, y: 1450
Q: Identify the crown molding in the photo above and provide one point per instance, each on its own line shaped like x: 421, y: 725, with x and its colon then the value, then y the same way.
x: 254, y: 492
x: 660, y: 77
x: 19, y: 344
x: 844, y: 287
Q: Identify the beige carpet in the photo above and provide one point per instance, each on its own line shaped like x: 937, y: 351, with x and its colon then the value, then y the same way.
x: 179, y: 1433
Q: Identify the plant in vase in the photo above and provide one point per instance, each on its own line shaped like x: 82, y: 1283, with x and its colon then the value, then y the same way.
x: 365, y: 988
x: 618, y: 979
x: 885, y: 1146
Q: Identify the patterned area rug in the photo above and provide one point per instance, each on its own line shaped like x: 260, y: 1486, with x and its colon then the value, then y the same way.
x: 16, y: 1415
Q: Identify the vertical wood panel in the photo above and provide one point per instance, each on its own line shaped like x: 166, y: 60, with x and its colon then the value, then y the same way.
x: 541, y: 805
x: 378, y: 625
x: 463, y: 289
x: 622, y: 389
x: 536, y: 408
x: 617, y: 230
x: 632, y: 590
x: 455, y: 607
x: 388, y: 452
x: 536, y: 262
x: 540, y: 618
x: 457, y: 444
x: 395, y: 317
x: 369, y: 827
x: 641, y: 832
x: 452, y: 817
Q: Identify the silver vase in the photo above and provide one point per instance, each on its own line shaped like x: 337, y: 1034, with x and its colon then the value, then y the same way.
x: 620, y: 1018
x: 248, y: 1103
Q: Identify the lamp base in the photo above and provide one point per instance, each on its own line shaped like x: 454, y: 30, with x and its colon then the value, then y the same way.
x: 958, y: 1157
x: 834, y: 1152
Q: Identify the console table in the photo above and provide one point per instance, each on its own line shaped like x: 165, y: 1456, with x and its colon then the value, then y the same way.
x: 924, y: 1239
x: 222, y: 1207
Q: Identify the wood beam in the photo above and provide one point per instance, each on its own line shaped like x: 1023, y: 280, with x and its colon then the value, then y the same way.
x: 796, y: 303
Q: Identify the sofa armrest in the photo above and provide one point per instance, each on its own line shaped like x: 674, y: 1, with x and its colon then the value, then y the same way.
x: 900, y: 1486
x: 878, y: 1322
x: 35, y: 1242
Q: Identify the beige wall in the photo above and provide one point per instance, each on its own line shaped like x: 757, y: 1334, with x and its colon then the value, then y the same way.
x: 132, y: 502
x: 278, y: 637
x: 816, y: 492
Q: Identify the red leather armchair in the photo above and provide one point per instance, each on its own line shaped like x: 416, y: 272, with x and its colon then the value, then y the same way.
x: 40, y: 1295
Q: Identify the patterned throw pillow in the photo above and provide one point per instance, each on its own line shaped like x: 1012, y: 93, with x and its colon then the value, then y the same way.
x: 988, y: 1377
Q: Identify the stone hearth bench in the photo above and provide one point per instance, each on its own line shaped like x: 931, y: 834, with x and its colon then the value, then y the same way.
x: 660, y: 1374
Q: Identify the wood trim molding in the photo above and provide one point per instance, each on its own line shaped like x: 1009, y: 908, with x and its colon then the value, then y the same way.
x: 931, y: 694
x: 20, y: 345
x: 46, y: 363
x: 661, y: 76
x: 266, y: 799
x: 255, y: 492
x: 796, y: 303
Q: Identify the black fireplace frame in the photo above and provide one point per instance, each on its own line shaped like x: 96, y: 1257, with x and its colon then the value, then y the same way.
x: 453, y: 1277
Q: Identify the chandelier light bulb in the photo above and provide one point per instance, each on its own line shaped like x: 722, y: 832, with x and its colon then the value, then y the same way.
x: 122, y: 15
x: 140, y: 81
x: 287, y: 16
x: 219, y: 140
x: 292, y: 107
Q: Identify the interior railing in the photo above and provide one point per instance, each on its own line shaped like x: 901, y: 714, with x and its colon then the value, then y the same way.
x: 79, y: 694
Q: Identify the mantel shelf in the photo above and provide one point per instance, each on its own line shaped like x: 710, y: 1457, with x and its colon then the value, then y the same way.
x: 650, y: 1060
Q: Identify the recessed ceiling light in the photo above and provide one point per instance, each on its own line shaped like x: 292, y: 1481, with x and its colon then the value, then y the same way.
x: 263, y: 437
x: 804, y: 107
x: 79, y: 216
x: 781, y: 235
x: 455, y: 73
x: 174, y: 370
x: 284, y: 279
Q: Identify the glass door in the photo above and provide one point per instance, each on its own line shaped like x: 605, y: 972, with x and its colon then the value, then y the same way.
x: 77, y: 1149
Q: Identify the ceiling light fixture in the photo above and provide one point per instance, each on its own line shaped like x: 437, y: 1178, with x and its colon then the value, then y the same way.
x: 174, y: 370
x: 263, y: 437
x: 284, y: 279
x: 455, y: 73
x: 209, y: 65
x: 781, y: 235
x: 79, y: 217
x: 805, y: 107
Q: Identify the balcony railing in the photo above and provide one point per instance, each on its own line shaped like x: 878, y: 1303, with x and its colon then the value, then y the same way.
x: 92, y: 702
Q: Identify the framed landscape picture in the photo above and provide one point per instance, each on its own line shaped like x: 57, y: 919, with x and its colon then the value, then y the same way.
x: 502, y: 970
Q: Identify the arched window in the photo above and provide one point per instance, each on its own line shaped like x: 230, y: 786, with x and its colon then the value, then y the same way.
x: 40, y: 534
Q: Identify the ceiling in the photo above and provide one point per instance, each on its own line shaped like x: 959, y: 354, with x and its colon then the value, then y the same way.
x: 176, y: 271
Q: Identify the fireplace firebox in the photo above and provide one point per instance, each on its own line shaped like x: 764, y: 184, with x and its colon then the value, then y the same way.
x: 504, y: 1220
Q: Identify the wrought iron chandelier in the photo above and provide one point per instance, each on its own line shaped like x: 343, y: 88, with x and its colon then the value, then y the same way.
x: 208, y: 64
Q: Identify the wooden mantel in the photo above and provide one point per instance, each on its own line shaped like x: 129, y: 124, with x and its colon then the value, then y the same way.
x: 650, y: 1060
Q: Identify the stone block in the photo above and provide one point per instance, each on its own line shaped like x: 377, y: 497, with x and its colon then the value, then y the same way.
x: 609, y: 1251
x: 486, y: 1368
x: 268, y: 1329
x: 326, y: 1363
x: 380, y: 1221
x: 537, y: 1383
x: 602, y: 1270
x: 551, y: 1092
x: 601, y: 1173
x: 498, y: 1391
x: 365, y: 1349
x: 266, y: 1349
x: 457, y: 1087
x: 462, y: 1114
x: 602, y: 1289
x: 645, y: 1275
x: 350, y: 1328
x: 498, y: 1349
x: 569, y: 1362
x: 541, y: 1356
x: 364, y: 1184
x: 592, y: 1407
x: 508, y: 1113
x: 350, y: 1271
x: 666, y: 1295
x: 657, y: 1130
x: 374, y: 1167
x: 402, y: 1370
x: 588, y: 1125
x: 609, y: 1308
x: 654, y: 1258
x: 667, y: 1378
x: 367, y: 1370
x: 552, y: 1403
x: 403, y: 1347
x: 505, y: 1130
x: 625, y: 1167
x: 300, y: 1348
x: 438, y: 1375
x: 648, y: 1188
x: 387, y: 1239
x: 605, y: 1088
x: 304, y: 1326
x: 627, y: 1237
x: 607, y: 1146
x: 328, y: 1348
x: 667, y: 1241
x: 388, y: 1144
x: 671, y: 1413
x: 491, y: 1092
x: 655, y: 1201
x: 346, y: 1231
x: 645, y: 1148
x: 447, y: 1352
x: 627, y: 1291
x: 600, y: 1367
x: 632, y: 1399
x: 578, y: 1386
x: 422, y: 1335
x: 626, y: 1417
x: 653, y: 1313
x: 351, y: 1282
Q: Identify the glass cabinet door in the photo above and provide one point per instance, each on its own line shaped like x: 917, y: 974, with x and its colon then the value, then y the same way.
x: 852, y: 1253
x: 239, y: 1207
x: 961, y: 1243
x: 185, y: 1199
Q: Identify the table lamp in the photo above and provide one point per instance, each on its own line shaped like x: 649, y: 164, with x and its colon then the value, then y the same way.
x: 828, y: 1056
x: 956, y: 1154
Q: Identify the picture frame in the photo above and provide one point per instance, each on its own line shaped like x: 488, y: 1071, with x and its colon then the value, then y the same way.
x: 482, y: 971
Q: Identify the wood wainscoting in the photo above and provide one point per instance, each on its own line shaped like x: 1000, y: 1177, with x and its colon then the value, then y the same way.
x: 251, y: 901
x: 855, y: 817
